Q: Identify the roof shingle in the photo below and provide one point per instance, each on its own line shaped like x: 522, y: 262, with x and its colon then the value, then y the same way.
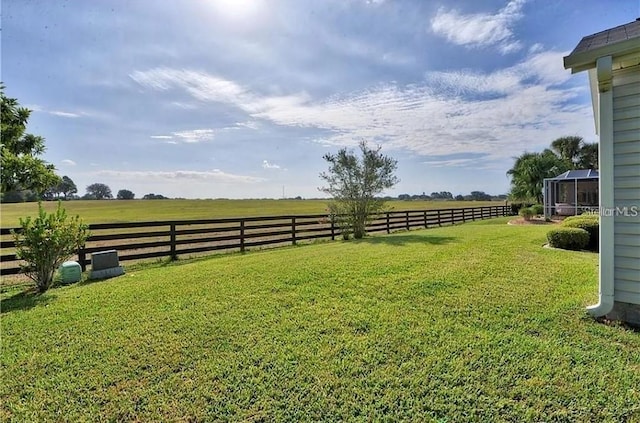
x: 621, y: 40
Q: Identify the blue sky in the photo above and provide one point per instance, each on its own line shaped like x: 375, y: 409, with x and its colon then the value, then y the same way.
x: 240, y: 98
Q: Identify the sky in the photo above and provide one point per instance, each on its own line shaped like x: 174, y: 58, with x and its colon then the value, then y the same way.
x: 242, y: 98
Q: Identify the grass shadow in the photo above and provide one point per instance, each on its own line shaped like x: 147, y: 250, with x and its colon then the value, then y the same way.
x: 617, y: 324
x: 400, y: 240
x: 87, y: 281
x: 24, y: 300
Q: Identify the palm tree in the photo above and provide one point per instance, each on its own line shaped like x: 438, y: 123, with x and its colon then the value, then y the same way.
x: 588, y: 156
x: 530, y: 170
x: 568, y: 149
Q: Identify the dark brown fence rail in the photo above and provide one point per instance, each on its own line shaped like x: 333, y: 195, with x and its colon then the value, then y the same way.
x: 174, y: 238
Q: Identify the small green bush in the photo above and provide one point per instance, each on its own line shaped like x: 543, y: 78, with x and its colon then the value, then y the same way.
x: 526, y: 212
x: 47, y: 241
x: 568, y: 238
x: 538, y: 209
x: 588, y: 222
x: 516, y: 207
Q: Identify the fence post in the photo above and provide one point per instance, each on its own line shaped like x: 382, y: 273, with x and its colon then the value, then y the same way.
x: 453, y: 222
x: 242, y: 235
x: 407, y: 216
x: 439, y: 221
x: 425, y: 220
x: 388, y: 224
x: 333, y: 230
x: 174, y: 255
x: 82, y: 258
x: 293, y: 230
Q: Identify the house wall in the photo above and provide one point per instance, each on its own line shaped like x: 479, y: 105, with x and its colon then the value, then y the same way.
x: 626, y: 161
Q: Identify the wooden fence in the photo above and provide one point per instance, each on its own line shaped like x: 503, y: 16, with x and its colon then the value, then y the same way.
x: 174, y: 238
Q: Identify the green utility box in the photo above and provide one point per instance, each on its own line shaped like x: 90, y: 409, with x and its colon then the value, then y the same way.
x: 70, y: 272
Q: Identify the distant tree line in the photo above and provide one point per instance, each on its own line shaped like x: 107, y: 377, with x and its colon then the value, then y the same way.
x: 447, y: 196
x: 65, y: 189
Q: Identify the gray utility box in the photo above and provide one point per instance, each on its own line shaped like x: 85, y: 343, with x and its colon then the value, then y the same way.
x: 70, y: 272
x: 105, y: 264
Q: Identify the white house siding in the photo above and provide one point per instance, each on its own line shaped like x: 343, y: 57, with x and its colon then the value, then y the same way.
x: 626, y: 150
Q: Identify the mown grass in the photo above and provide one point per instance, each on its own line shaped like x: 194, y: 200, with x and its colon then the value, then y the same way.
x: 474, y: 322
x: 150, y: 210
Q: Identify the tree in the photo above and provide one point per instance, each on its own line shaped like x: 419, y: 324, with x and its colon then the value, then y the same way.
x: 480, y: 196
x: 588, y: 156
x: 530, y: 170
x: 442, y: 195
x: 576, y: 153
x: 153, y: 196
x: 354, y: 182
x: 99, y: 191
x: 567, y: 149
x: 21, y: 169
x: 67, y: 187
x: 47, y: 241
x: 125, y: 194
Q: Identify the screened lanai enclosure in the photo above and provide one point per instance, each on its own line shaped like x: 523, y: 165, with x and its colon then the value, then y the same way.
x: 571, y: 193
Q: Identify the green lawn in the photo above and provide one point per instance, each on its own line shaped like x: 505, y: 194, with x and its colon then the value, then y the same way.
x: 475, y: 322
x: 143, y: 210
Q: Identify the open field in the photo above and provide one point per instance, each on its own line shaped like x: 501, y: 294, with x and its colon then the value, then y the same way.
x: 151, y: 210
x: 474, y: 322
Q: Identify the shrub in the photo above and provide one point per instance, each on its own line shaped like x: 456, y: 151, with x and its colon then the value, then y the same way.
x: 588, y: 222
x: 526, y: 212
x: 47, y: 241
x: 568, y: 238
x: 538, y: 209
x: 515, y: 208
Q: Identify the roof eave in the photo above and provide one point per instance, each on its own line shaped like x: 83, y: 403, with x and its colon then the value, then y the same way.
x: 582, y: 61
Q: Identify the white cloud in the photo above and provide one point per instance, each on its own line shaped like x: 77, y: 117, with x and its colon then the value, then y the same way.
x: 215, y: 175
x: 498, y: 114
x: 448, y: 163
x: 195, y: 135
x: 536, y: 48
x: 68, y: 162
x: 64, y: 114
x: 210, y: 88
x: 475, y: 162
x: 250, y: 124
x: 190, y: 137
x: 480, y: 29
x: 362, y: 48
x: 267, y: 165
x: 60, y: 113
x: 185, y: 106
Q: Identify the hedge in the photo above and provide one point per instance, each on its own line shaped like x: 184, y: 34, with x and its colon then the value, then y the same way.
x: 588, y: 222
x: 568, y: 238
